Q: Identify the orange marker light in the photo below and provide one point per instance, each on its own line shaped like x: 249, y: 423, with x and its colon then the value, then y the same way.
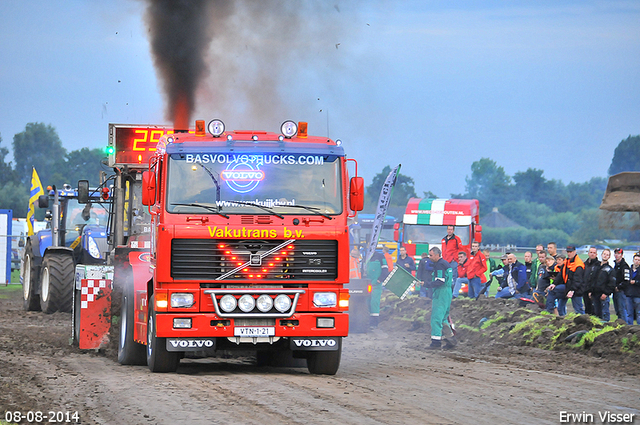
x: 302, y: 130
x: 200, y: 128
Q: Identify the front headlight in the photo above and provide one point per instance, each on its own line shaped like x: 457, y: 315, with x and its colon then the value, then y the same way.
x: 180, y: 300
x: 282, y: 303
x: 264, y: 303
x: 325, y: 299
x: 228, y: 303
x: 93, y: 247
x: 246, y: 303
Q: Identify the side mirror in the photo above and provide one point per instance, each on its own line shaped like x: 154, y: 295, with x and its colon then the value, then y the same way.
x: 43, y: 201
x: 478, y: 233
x: 148, y: 188
x: 356, y: 192
x: 83, y: 191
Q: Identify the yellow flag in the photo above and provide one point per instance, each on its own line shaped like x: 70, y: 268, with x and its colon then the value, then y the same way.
x: 36, y: 190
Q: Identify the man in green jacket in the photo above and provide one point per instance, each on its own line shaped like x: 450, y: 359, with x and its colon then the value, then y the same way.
x: 441, y: 282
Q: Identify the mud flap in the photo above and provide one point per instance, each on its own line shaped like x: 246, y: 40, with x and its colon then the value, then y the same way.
x: 191, y: 344
x: 95, y: 313
x: 314, y: 343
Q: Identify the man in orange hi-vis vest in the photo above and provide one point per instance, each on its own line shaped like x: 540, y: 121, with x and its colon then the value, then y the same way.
x: 354, y: 264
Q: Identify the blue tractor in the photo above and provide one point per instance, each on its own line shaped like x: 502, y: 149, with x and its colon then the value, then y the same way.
x: 76, y: 234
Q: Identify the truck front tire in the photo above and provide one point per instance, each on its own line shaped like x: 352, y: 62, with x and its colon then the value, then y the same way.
x: 31, y: 300
x: 56, y: 283
x: 158, y: 358
x: 324, y: 362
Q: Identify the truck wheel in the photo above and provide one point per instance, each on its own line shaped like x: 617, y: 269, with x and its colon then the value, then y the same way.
x: 56, y: 283
x: 129, y: 351
x: 158, y: 358
x: 31, y: 300
x: 324, y: 362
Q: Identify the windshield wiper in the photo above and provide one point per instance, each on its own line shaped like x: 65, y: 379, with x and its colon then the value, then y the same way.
x: 207, y: 207
x: 312, y: 209
x: 253, y: 204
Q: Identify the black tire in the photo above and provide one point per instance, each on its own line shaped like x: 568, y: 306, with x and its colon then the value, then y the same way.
x: 31, y: 300
x: 56, y: 283
x: 158, y: 358
x: 324, y: 362
x: 129, y: 351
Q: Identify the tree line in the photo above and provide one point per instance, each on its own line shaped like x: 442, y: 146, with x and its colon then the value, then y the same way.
x: 545, y: 210
x: 39, y: 146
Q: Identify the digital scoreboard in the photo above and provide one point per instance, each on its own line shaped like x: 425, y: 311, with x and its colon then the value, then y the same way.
x: 133, y: 145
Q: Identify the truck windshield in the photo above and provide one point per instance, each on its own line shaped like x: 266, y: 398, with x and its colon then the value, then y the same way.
x: 265, y: 184
x: 432, y: 235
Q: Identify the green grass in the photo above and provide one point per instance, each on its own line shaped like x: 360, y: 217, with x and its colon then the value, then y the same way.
x: 5, y: 291
x: 588, y: 338
x: 15, y: 276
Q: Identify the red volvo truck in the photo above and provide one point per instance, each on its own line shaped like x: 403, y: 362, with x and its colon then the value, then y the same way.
x: 248, y: 246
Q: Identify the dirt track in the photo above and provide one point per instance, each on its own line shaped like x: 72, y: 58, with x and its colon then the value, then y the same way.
x: 385, y: 378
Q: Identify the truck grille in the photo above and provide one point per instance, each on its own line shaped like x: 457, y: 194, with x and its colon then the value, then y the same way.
x: 256, y: 260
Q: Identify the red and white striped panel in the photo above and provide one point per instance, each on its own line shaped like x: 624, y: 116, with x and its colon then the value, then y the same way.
x: 90, y: 288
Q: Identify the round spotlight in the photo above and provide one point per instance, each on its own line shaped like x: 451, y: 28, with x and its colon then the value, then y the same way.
x: 264, y: 303
x: 246, y: 303
x: 282, y: 303
x: 289, y: 129
x: 216, y: 128
x: 228, y: 303
x: 338, y: 142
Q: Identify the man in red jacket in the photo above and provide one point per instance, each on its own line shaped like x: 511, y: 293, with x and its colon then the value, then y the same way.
x: 476, y: 266
x: 451, y: 245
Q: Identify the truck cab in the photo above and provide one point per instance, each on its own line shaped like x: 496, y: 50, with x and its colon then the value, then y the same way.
x: 249, y: 248
x: 425, y: 223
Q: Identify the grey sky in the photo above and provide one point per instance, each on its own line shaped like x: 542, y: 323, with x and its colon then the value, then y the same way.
x: 553, y: 85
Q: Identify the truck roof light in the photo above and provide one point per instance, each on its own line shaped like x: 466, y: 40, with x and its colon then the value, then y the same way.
x: 254, y: 138
x: 302, y: 130
x: 338, y: 142
x: 200, y: 128
x: 216, y: 128
x: 289, y: 129
x: 105, y: 193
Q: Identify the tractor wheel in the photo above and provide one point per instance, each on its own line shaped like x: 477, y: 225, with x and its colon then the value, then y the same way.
x: 31, y: 300
x: 129, y: 351
x: 324, y: 362
x: 56, y: 283
x: 158, y: 358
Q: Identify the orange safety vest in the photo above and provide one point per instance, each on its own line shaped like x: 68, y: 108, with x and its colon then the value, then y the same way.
x: 354, y: 268
x: 389, y: 260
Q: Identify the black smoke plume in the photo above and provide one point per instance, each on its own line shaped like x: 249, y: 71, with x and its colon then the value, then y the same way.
x: 180, y: 34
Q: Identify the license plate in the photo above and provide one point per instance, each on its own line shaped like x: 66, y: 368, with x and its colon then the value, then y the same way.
x: 253, y: 332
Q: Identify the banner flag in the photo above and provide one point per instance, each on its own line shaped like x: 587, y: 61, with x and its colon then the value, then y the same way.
x: 36, y: 191
x: 381, y: 212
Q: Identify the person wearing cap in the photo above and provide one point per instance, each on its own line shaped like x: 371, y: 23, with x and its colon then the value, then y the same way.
x: 546, y: 273
x: 573, y: 277
x: 498, y: 273
x: 557, y: 292
x: 621, y: 271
